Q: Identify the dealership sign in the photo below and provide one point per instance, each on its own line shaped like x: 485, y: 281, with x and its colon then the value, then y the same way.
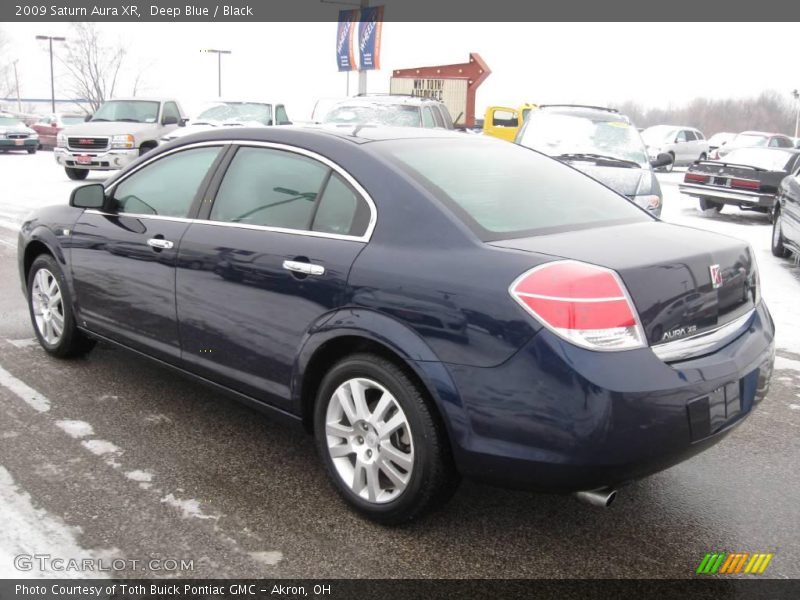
x: 368, y: 22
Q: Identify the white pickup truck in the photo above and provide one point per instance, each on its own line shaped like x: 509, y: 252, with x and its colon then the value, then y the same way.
x: 118, y: 133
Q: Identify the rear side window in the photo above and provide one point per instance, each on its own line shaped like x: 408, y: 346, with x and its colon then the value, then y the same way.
x: 504, y: 118
x: 699, y: 135
x: 341, y: 211
x: 446, y: 117
x: 166, y: 187
x: 269, y: 187
x: 502, y: 190
x: 690, y: 136
x: 437, y: 116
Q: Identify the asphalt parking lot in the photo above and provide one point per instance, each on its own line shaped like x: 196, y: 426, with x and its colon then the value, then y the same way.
x: 113, y: 457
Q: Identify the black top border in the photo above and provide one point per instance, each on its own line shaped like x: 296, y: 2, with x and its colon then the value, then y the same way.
x: 496, y: 11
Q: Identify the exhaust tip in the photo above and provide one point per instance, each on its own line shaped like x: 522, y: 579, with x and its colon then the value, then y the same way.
x: 603, y: 497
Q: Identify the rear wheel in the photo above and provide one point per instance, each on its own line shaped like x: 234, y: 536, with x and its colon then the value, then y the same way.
x: 76, y: 174
x: 703, y: 156
x: 381, y: 442
x: 707, y: 204
x: 778, y: 249
x: 50, y: 307
x: 31, y: 150
x: 668, y: 168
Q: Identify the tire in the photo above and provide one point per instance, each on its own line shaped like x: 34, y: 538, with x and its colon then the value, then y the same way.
x: 668, y: 168
x: 76, y: 174
x: 32, y: 150
x: 416, y: 453
x: 778, y: 249
x: 45, y: 284
x: 145, y: 149
x: 703, y: 156
x: 706, y: 204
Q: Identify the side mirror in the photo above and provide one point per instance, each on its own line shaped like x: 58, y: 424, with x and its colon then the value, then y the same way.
x: 92, y: 195
x: 87, y: 118
x: 170, y: 121
x: 183, y: 122
x: 662, y: 160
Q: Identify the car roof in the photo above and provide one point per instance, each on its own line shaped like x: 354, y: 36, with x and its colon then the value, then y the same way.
x: 764, y: 149
x: 142, y: 99
x: 387, y: 99
x: 761, y: 133
x: 597, y: 113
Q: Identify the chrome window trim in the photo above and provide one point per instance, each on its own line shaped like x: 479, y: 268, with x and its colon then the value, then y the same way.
x: 373, y: 211
x: 697, y: 344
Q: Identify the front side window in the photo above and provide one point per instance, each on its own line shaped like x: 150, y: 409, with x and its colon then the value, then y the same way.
x: 681, y: 137
x: 281, y: 116
x: 166, y: 187
x: 171, y: 112
x: 269, y: 187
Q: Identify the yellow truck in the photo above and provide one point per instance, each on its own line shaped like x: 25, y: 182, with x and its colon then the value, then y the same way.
x: 504, y: 122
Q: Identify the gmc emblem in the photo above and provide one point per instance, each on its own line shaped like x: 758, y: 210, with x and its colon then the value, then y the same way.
x: 716, y: 276
x: 86, y: 141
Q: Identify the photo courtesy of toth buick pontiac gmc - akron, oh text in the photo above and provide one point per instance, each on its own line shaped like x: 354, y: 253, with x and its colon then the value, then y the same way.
x: 431, y: 306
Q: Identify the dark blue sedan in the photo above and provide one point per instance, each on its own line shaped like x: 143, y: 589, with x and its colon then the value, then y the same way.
x: 430, y: 305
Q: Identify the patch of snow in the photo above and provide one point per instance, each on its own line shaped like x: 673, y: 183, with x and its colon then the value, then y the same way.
x: 24, y: 392
x: 7, y: 435
x: 157, y: 418
x: 787, y: 363
x: 26, y: 343
x: 269, y: 557
x: 189, y: 508
x: 794, y: 406
x: 100, y: 447
x: 142, y: 476
x: 76, y: 429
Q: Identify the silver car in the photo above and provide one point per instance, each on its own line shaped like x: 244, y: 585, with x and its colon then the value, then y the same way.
x: 684, y: 144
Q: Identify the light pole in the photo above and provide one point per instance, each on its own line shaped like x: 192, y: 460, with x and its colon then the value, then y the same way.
x: 796, y: 96
x: 52, y: 39
x: 219, y: 54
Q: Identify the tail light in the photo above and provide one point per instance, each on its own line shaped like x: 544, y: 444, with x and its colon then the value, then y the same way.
x: 747, y: 184
x: 695, y: 177
x: 584, y: 304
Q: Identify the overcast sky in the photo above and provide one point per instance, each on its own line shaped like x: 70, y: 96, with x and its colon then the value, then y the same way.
x: 653, y: 63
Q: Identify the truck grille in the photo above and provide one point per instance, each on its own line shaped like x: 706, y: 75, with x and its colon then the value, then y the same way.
x: 18, y: 136
x: 88, y: 143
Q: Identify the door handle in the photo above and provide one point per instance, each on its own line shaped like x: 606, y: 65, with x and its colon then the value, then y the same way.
x: 159, y: 243
x: 303, y: 267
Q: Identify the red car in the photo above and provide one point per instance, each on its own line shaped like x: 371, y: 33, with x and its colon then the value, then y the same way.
x: 49, y: 125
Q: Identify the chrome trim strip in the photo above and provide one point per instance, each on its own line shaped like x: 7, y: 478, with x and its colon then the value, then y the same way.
x: 373, y: 217
x: 303, y: 267
x: 562, y: 299
x: 707, y: 190
x: 692, y: 346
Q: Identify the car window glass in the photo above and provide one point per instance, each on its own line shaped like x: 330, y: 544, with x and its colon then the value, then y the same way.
x: 427, y: 117
x: 281, y: 116
x: 269, y: 187
x: 784, y: 143
x: 341, y: 210
x: 171, y: 111
x: 699, y: 135
x: 504, y: 118
x: 681, y: 137
x: 437, y: 116
x: 166, y: 187
x: 690, y: 136
x: 448, y: 118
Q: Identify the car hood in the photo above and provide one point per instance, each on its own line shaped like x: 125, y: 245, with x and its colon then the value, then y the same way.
x: 208, y: 125
x: 93, y: 128
x: 622, y: 180
x: 15, y: 129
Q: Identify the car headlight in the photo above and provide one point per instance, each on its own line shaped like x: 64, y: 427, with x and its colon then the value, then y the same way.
x: 123, y: 141
x: 61, y: 140
x: 2, y: 136
x: 34, y: 136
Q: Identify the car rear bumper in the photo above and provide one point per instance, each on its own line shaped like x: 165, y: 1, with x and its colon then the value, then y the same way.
x: 556, y: 417
x: 103, y: 160
x: 728, y: 196
x: 27, y: 143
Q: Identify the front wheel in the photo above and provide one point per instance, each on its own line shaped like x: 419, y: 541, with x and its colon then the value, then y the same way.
x: 31, y: 150
x: 76, y: 174
x: 381, y: 442
x: 707, y: 204
x: 51, y: 312
x: 778, y: 249
x: 668, y: 168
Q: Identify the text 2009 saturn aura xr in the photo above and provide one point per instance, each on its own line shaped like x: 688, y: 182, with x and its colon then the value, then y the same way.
x: 431, y: 305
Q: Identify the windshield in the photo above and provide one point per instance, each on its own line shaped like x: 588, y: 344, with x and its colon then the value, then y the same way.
x: 557, y: 134
x: 396, y: 115
x: 72, y: 120
x: 659, y: 134
x: 237, y: 112
x: 749, y: 139
x: 9, y: 122
x: 763, y: 158
x: 503, y: 190
x: 136, y: 111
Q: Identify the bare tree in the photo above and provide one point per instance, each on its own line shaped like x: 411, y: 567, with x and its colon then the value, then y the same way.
x: 92, y: 64
x: 6, y: 85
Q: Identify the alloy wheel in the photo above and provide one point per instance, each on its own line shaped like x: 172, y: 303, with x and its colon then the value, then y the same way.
x: 48, y: 306
x: 369, y: 440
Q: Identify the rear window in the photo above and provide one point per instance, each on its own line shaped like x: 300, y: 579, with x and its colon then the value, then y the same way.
x: 763, y: 158
x: 503, y: 191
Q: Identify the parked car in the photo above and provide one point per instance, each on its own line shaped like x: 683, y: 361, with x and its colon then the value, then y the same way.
x: 746, y: 177
x: 15, y: 135
x: 48, y: 127
x: 684, y: 144
x: 233, y: 113
x: 504, y: 122
x: 718, y: 140
x: 599, y: 142
x: 431, y: 305
x: 786, y: 217
x: 116, y: 135
x: 389, y: 109
x: 753, y: 139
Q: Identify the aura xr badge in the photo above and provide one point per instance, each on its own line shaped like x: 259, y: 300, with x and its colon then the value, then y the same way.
x: 716, y: 276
